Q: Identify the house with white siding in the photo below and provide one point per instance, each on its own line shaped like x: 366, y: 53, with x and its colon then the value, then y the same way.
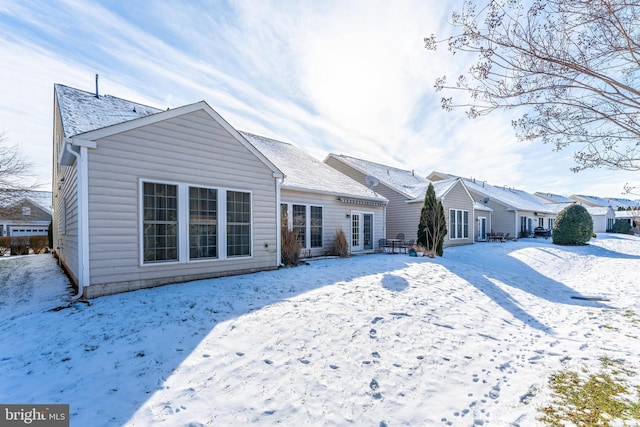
x: 406, y: 191
x: 144, y: 197
x: 317, y: 201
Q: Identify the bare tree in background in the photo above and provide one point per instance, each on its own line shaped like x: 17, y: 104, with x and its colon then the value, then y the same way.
x: 15, y: 174
x: 571, y: 66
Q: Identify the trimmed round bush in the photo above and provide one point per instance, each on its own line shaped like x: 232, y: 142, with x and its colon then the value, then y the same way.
x: 621, y: 226
x: 573, y: 226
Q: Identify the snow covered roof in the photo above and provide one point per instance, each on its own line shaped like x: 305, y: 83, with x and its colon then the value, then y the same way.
x: 82, y: 111
x: 306, y: 173
x: 598, y: 210
x: 556, y: 198
x: 624, y: 203
x: 403, y: 181
x: 42, y: 199
x: 511, y: 197
x: 591, y: 200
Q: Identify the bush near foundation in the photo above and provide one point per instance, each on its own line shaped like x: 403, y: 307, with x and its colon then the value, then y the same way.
x: 622, y: 226
x: 23, y: 245
x: 573, y: 226
x: 340, y: 246
x: 5, y: 245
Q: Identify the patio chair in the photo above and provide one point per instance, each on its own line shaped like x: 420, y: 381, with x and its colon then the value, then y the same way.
x: 384, y: 246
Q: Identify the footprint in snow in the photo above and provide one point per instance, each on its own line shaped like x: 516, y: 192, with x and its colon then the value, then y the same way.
x: 373, y: 333
x: 239, y: 353
x: 377, y: 319
x: 374, y: 386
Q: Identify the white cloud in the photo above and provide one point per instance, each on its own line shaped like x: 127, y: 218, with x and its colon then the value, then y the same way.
x: 331, y: 76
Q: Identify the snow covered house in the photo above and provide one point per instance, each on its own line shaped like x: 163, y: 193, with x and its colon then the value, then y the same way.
x: 317, y: 201
x: 603, y: 218
x: 405, y: 192
x: 24, y: 216
x: 515, y: 212
x: 145, y: 197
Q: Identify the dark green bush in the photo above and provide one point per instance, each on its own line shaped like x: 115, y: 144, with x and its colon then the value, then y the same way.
x: 621, y: 226
x: 573, y: 226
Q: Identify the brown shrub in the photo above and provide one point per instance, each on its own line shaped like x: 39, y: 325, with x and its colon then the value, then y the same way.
x: 290, y: 247
x: 5, y: 245
x: 38, y: 244
x: 340, y: 246
x: 20, y: 245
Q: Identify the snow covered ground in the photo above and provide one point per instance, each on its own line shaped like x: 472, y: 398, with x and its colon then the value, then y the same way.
x: 375, y: 340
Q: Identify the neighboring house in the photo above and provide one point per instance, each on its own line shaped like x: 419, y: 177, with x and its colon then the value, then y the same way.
x: 24, y: 217
x: 515, y: 212
x: 621, y: 203
x: 405, y: 192
x: 146, y: 197
x: 553, y: 198
x: 603, y: 218
x: 590, y: 200
x: 615, y: 202
x: 317, y: 201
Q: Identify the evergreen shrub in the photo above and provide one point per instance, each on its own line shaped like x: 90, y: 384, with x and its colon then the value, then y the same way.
x: 573, y: 226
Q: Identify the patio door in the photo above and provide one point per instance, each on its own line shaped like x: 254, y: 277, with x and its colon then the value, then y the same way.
x: 361, y: 231
x: 482, y: 228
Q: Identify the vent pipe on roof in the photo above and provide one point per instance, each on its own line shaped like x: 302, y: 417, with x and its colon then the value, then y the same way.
x: 97, y: 96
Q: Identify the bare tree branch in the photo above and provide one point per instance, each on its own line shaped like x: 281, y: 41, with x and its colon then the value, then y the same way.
x: 571, y: 66
x: 15, y: 172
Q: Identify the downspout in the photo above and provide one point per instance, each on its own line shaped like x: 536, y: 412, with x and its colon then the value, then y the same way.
x: 83, y: 218
x: 278, y: 222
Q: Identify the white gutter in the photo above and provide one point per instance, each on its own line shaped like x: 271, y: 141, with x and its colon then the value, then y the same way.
x: 83, y: 217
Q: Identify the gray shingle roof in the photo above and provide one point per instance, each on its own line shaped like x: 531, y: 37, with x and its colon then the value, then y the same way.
x: 305, y: 172
x: 84, y: 112
x: 403, y: 181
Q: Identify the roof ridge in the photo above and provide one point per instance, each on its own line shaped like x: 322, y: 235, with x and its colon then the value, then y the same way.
x: 106, y: 95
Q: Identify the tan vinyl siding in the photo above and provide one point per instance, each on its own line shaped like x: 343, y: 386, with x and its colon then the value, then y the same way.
x: 503, y: 220
x: 404, y: 216
x: 64, y: 188
x: 189, y: 150
x: 458, y: 198
x: 334, y: 217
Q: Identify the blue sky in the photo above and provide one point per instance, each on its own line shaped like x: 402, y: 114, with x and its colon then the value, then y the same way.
x: 348, y: 77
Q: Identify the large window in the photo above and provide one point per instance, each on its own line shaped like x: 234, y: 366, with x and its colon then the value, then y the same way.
x: 316, y: 226
x: 203, y: 223
x: 299, y: 224
x: 458, y: 224
x: 307, y: 224
x: 160, y: 222
x: 238, y: 223
x: 183, y: 223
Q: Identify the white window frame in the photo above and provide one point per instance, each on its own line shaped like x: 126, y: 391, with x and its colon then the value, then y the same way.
x: 453, y: 231
x: 307, y: 225
x: 183, y: 223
